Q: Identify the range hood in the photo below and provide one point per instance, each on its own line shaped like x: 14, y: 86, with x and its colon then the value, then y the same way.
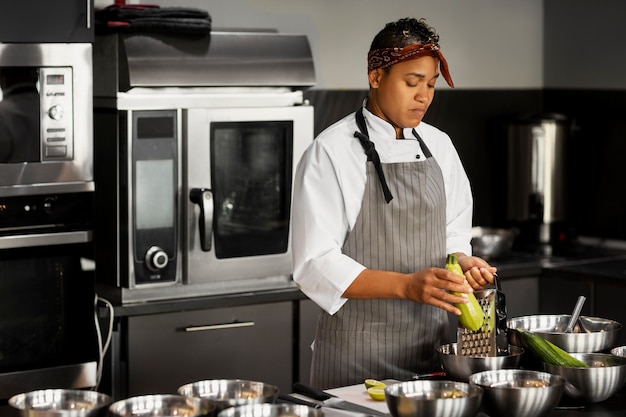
x: 221, y: 59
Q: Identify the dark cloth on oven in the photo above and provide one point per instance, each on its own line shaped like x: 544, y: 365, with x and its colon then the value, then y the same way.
x: 152, y: 19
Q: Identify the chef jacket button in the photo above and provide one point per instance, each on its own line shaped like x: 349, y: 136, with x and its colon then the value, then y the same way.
x: 417, y: 156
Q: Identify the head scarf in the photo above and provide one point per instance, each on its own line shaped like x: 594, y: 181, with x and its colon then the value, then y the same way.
x: 386, y: 57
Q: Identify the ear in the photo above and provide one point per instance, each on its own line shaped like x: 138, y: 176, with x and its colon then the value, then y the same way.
x: 374, y: 77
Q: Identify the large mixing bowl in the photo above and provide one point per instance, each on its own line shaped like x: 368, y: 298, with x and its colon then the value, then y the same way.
x: 460, y: 367
x: 605, y: 376
x: 61, y: 403
x: 591, y: 334
x: 271, y: 410
x: 519, y: 393
x: 225, y: 393
x: 433, y: 399
x: 161, y: 405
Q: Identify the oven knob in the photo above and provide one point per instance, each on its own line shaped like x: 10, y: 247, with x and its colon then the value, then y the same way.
x: 156, y: 258
x: 56, y: 112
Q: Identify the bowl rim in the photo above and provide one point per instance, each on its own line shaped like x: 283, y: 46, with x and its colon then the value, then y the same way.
x: 617, y: 326
x: 18, y: 401
x: 514, y: 350
x: 474, y: 391
x: 597, y: 355
x: 556, y: 381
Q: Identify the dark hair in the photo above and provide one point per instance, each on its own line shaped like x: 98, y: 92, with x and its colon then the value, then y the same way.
x: 403, y: 32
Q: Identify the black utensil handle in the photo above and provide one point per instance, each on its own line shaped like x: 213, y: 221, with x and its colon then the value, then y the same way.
x: 286, y: 398
x: 311, y: 392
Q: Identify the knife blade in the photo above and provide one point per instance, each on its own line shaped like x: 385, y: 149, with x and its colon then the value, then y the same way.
x: 328, y: 411
x: 332, y: 401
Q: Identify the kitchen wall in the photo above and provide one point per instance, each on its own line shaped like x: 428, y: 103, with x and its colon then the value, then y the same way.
x: 507, y: 57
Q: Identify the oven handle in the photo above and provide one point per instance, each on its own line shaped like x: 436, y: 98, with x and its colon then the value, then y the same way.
x: 233, y: 325
x: 45, y: 239
x: 203, y: 197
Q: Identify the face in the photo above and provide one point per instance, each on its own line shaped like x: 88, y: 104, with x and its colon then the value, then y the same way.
x: 402, y: 94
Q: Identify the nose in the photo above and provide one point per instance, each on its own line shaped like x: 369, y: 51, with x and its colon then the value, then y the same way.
x: 422, y: 94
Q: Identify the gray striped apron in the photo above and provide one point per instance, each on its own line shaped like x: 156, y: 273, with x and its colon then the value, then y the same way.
x: 388, y: 338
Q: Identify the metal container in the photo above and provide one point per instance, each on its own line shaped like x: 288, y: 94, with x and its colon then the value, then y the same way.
x: 605, y: 376
x: 161, y: 405
x: 272, y: 410
x: 491, y: 243
x: 460, y: 367
x: 519, y: 393
x: 433, y: 399
x: 61, y: 403
x: 536, y: 191
x: 590, y: 334
x: 225, y: 393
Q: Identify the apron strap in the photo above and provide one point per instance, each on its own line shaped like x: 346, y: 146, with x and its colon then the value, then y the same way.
x: 370, y: 152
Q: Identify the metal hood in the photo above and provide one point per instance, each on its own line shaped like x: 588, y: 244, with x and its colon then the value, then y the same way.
x: 221, y: 59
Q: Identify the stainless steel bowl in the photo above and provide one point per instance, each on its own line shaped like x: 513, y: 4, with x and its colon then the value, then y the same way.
x: 225, y: 393
x: 61, y: 403
x: 591, y: 334
x: 605, y: 376
x: 619, y: 351
x: 271, y: 410
x: 460, y: 367
x: 519, y: 393
x: 162, y: 405
x: 433, y: 399
x: 491, y: 243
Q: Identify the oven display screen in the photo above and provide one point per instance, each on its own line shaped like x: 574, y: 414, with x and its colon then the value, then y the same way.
x: 55, y: 79
x: 154, y: 207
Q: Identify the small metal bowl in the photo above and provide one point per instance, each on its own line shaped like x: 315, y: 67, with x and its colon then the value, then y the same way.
x: 605, y: 376
x: 433, y: 398
x: 162, y: 405
x: 619, y: 351
x: 225, y: 393
x: 591, y: 334
x: 61, y: 403
x: 271, y: 410
x: 460, y: 367
x: 491, y: 243
x: 519, y: 393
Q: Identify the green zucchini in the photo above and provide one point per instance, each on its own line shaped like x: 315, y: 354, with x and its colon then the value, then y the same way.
x: 472, y: 315
x: 548, y: 352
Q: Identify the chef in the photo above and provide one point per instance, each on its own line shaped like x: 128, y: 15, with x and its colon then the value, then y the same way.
x: 380, y: 198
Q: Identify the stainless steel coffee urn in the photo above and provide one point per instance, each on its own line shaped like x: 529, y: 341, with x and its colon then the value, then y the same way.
x: 536, y: 180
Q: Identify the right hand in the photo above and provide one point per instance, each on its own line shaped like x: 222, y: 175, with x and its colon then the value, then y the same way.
x: 433, y: 286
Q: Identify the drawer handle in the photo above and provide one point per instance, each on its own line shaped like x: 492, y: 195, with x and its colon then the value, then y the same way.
x: 219, y: 326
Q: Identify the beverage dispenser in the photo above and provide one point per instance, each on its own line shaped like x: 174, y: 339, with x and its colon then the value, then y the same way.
x: 536, y: 181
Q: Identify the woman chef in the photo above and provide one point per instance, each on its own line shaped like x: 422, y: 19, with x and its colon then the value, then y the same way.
x: 380, y: 198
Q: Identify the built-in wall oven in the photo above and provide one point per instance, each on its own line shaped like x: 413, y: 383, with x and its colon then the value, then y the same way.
x: 194, y: 180
x: 47, y: 326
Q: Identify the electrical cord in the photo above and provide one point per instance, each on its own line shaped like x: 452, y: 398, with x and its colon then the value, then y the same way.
x: 102, y: 349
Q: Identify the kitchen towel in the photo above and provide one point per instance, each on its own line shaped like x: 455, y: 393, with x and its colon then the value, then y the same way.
x: 152, y: 19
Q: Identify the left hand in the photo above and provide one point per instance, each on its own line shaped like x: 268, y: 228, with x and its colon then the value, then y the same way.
x: 477, y: 271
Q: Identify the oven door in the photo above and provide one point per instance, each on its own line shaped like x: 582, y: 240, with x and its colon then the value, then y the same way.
x: 240, y: 167
x: 47, y: 327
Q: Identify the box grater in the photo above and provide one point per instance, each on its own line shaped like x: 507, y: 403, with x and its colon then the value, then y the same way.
x: 491, y: 339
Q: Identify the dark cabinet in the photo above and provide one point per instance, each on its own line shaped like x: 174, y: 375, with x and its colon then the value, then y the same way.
x: 165, y: 351
x: 44, y: 21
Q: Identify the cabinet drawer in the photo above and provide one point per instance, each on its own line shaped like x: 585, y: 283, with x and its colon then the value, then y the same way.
x: 166, y: 351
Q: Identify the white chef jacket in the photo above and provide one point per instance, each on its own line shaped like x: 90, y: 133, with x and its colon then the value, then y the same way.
x: 328, y: 192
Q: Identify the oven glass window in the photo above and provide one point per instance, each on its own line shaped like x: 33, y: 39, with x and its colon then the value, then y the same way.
x: 251, y: 171
x: 19, y: 115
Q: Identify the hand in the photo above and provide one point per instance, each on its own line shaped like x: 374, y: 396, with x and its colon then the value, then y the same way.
x: 434, y: 285
x: 477, y: 271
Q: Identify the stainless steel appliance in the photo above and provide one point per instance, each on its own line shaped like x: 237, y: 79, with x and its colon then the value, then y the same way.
x: 46, y: 125
x: 196, y: 145
x: 47, y: 326
x: 537, y: 186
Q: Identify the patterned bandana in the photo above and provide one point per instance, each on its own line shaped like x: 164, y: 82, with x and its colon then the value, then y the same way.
x: 386, y: 57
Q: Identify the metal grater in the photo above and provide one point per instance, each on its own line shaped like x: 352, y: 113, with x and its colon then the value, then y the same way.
x: 490, y: 339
